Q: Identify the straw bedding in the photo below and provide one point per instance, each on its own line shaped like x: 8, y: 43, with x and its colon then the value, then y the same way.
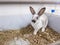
x: 42, y: 38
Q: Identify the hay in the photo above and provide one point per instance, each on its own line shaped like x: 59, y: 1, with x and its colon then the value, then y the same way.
x: 42, y: 38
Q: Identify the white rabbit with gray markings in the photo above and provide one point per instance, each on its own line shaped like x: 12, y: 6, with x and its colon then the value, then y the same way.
x: 39, y: 20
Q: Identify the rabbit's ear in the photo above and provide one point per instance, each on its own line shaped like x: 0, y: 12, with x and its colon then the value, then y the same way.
x: 42, y: 10
x: 32, y: 10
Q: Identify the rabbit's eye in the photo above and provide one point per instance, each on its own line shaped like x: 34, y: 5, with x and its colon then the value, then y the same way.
x: 36, y: 17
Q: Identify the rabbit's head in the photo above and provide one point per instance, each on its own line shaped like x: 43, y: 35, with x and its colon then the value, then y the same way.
x: 36, y: 16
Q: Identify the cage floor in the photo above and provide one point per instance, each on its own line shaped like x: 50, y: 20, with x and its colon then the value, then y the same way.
x: 42, y: 38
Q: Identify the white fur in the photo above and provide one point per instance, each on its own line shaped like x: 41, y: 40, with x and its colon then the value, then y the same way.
x: 40, y: 23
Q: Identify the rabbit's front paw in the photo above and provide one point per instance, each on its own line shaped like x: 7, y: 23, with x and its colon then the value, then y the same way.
x: 43, y: 29
x: 35, y: 33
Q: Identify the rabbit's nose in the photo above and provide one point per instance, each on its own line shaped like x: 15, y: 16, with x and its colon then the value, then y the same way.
x: 33, y: 21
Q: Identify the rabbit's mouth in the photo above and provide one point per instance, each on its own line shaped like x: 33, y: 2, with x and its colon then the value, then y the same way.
x: 33, y: 21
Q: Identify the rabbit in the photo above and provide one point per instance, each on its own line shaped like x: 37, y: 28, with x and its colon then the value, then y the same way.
x: 17, y: 41
x: 39, y: 20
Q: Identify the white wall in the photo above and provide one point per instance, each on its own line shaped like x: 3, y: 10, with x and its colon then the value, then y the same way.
x: 56, y: 7
x: 15, y: 9
x: 15, y: 16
